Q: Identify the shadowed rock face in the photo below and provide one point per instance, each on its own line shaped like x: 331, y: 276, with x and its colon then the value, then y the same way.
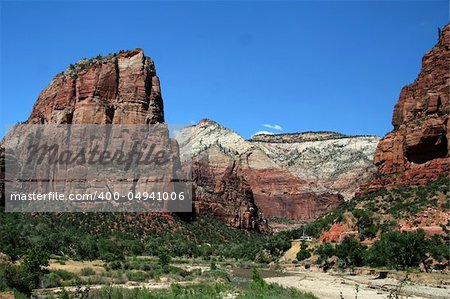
x: 417, y: 150
x: 227, y: 195
x: 119, y: 88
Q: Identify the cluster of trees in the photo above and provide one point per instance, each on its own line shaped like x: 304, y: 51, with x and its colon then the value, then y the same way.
x: 89, y: 237
x: 25, y: 276
x: 396, y: 250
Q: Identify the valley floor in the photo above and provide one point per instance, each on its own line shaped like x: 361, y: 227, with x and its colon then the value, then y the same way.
x: 331, y: 285
x: 334, y: 285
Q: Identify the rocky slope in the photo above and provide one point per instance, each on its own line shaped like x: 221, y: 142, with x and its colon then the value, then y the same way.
x: 331, y: 162
x: 417, y: 150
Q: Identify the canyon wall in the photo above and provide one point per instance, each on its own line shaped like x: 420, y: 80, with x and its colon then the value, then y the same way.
x: 417, y: 150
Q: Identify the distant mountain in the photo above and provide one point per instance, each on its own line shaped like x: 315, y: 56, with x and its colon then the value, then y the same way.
x: 332, y: 162
x: 296, y: 176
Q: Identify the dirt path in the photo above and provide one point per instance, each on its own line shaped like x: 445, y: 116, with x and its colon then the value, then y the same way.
x: 330, y: 286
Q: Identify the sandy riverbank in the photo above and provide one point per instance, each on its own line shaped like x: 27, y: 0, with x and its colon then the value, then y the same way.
x: 330, y: 286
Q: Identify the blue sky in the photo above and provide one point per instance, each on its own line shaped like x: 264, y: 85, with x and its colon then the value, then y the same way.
x: 301, y: 65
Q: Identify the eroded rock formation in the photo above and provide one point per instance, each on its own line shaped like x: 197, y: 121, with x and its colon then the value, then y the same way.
x: 225, y: 194
x: 417, y: 150
x: 120, y: 88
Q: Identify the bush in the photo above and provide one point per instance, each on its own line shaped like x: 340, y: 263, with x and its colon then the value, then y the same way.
x: 137, y: 276
x: 25, y: 276
x: 213, y: 266
x: 115, y: 265
x: 164, y: 258
x: 303, y: 254
x: 51, y: 280
x: 325, y: 251
x: 65, y: 275
x: 88, y: 271
x: 350, y: 253
x: 257, y: 280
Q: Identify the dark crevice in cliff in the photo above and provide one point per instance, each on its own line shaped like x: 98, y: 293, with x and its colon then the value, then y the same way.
x: 431, y: 149
x: 116, y: 67
x: 68, y: 117
x: 110, y: 111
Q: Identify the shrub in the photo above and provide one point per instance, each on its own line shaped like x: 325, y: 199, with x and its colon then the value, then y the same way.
x: 163, y: 258
x: 350, y: 253
x: 51, y: 280
x: 65, y: 275
x: 325, y: 251
x: 88, y: 271
x: 137, y: 276
x: 115, y: 265
x: 25, y: 276
x: 213, y: 266
x: 304, y: 252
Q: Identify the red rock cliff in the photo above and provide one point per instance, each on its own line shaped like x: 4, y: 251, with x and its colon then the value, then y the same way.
x: 120, y: 88
x: 417, y: 150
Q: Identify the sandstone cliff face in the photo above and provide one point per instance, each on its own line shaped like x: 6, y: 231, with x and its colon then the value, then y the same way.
x: 225, y: 194
x: 120, y: 88
x: 117, y: 89
x: 417, y: 150
x: 328, y: 161
x: 276, y: 191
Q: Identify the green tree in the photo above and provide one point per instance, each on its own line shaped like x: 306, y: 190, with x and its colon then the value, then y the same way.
x: 399, y: 250
x: 325, y: 251
x: 164, y: 258
x: 86, y: 248
x: 304, y: 252
x: 34, y: 264
x: 438, y: 248
x: 351, y: 253
x: 366, y: 227
x: 25, y: 277
x: 110, y: 250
